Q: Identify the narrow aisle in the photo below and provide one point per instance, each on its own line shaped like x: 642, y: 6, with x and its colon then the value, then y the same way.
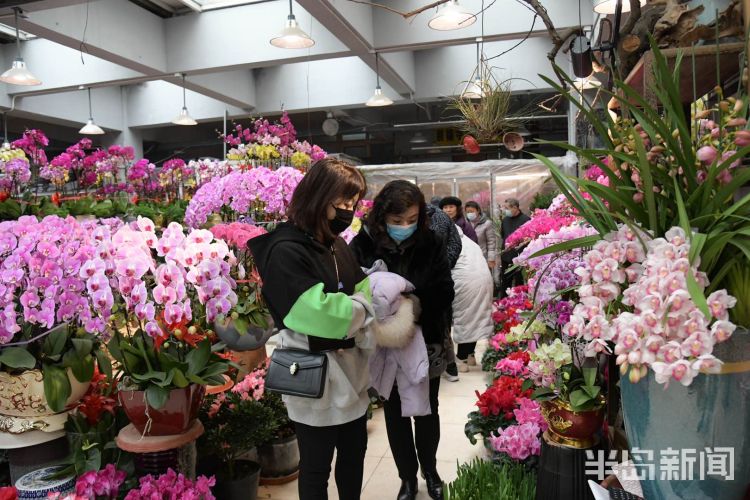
x: 381, y: 481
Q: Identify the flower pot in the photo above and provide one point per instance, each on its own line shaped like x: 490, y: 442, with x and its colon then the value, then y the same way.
x: 279, y: 460
x: 245, y: 487
x: 255, y: 338
x: 574, y: 429
x: 23, y: 395
x: 708, y: 414
x: 250, y: 360
x: 175, y: 417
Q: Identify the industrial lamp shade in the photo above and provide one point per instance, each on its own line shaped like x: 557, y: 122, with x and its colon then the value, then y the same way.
x: 292, y: 37
x: 580, y: 52
x: 379, y: 99
x: 184, y: 118
x: 451, y: 17
x: 91, y: 128
x: 18, y: 74
x: 609, y: 6
x: 473, y: 90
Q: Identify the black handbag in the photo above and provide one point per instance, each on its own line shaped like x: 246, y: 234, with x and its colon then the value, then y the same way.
x: 296, y: 372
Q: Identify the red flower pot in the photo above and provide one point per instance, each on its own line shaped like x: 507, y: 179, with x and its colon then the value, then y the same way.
x: 175, y: 417
x: 575, y: 429
x: 471, y: 145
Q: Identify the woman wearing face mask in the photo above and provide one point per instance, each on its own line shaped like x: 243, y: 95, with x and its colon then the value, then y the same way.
x: 397, y: 231
x: 485, y: 229
x: 452, y: 206
x: 316, y: 293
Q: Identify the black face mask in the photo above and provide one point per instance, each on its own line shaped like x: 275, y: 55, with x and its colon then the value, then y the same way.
x: 342, y: 220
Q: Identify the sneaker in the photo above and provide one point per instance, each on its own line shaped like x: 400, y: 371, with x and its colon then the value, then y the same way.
x: 472, y: 360
x: 451, y: 373
x: 463, y: 366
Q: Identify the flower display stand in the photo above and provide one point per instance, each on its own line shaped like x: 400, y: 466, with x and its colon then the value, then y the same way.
x: 562, y: 472
x: 33, y: 450
x: 155, y: 454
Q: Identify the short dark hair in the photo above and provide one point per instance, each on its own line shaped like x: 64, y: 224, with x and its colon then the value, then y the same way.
x: 473, y: 204
x: 328, y: 181
x: 456, y: 202
x: 512, y: 202
x: 395, y: 198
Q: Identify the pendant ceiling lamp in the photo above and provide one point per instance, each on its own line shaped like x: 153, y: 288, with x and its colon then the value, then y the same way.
x: 378, y: 98
x: 18, y: 74
x: 451, y: 16
x: 91, y: 128
x: 184, y: 117
x: 580, y: 53
x: 292, y: 37
x: 473, y: 89
x: 609, y: 6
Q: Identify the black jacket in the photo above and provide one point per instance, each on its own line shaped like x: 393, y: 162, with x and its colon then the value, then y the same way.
x: 446, y: 230
x: 301, y: 278
x: 422, y: 260
x: 509, y: 226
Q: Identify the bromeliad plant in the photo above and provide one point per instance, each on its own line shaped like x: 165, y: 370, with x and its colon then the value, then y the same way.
x: 661, y: 176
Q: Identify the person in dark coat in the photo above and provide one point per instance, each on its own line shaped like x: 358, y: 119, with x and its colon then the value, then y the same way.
x: 397, y: 230
x: 453, y: 207
x: 513, y: 218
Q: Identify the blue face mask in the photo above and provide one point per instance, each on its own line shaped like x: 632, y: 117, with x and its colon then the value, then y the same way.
x: 400, y: 233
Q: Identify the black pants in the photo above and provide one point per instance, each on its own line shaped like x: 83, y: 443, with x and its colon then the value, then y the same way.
x: 426, y: 435
x: 509, y: 280
x: 316, y: 445
x: 465, y: 350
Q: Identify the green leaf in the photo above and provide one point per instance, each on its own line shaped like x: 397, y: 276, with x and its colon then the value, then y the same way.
x: 179, y: 379
x: 589, y: 375
x: 541, y: 392
x: 17, y: 357
x: 198, y: 357
x: 93, y: 460
x: 156, y: 396
x: 54, y: 343
x: 56, y: 387
x: 527, y: 384
x: 592, y: 390
x: 579, y: 398
x: 82, y: 367
x: 241, y: 325
x: 566, y: 246
x: 105, y: 364
x: 697, y: 295
x: 83, y: 346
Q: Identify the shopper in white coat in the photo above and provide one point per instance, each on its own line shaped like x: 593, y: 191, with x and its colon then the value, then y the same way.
x: 472, y: 305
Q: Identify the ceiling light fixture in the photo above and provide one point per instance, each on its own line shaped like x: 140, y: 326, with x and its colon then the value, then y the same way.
x: 609, y: 6
x: 292, y: 37
x: 378, y: 98
x: 184, y: 117
x: 18, y: 74
x: 91, y: 128
x: 330, y: 125
x: 451, y: 17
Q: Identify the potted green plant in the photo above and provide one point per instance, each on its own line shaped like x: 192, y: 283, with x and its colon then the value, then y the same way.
x: 235, y: 422
x: 674, y: 177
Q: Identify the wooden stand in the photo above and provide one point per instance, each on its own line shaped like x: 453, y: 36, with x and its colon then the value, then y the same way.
x: 562, y: 472
x: 155, y: 454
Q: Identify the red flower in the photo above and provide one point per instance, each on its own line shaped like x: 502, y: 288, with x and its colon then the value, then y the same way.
x: 8, y: 493
x: 93, y: 405
x: 520, y: 355
x: 55, y: 198
x: 3, y: 196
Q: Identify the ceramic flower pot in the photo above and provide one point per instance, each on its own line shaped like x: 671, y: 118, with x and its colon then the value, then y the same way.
x: 175, y: 417
x: 279, y: 460
x: 711, y: 413
x: 575, y: 429
x: 255, y: 338
x: 243, y: 487
x: 23, y: 395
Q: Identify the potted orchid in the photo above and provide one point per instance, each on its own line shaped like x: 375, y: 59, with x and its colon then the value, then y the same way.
x: 15, y: 174
x: 668, y: 310
x: 249, y: 324
x: 54, y: 317
x: 164, y: 292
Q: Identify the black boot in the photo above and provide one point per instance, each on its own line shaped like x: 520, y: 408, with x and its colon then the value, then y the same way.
x: 434, y: 485
x: 408, y: 490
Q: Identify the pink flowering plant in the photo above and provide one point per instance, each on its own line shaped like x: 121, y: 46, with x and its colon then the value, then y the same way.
x: 104, y: 484
x: 173, y: 486
x: 661, y: 319
x: 542, y: 222
x: 33, y: 142
x: 54, y: 313
x: 238, y: 420
x: 271, y: 144
x: 167, y: 290
x: 664, y: 172
x: 259, y: 194
x: 522, y: 439
x: 250, y: 310
x: 15, y: 173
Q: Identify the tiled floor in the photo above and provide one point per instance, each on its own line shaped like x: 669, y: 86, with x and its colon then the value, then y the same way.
x: 381, y: 481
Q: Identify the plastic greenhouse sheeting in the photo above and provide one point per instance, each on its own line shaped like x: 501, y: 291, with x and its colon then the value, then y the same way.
x: 489, y: 182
